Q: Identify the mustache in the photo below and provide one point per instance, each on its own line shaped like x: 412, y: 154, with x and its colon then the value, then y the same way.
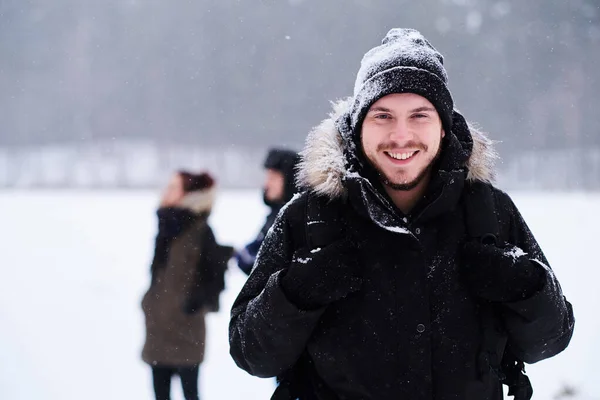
x: 390, y: 146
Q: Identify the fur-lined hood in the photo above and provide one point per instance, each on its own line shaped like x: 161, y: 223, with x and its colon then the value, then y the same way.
x: 199, y: 201
x: 323, y: 164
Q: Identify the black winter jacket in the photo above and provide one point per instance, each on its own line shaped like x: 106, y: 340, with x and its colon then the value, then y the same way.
x: 413, y: 330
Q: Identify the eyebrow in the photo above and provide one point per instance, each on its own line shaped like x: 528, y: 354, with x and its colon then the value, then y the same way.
x: 423, y: 108
x: 418, y: 109
x: 379, y: 108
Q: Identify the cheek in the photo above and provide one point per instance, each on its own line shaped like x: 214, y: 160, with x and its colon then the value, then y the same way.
x: 366, y: 141
x: 433, y: 138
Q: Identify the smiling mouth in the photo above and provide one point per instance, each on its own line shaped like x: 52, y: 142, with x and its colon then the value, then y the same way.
x: 407, y: 155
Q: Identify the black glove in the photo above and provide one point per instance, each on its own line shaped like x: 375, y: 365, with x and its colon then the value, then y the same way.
x: 501, y: 274
x: 319, y: 277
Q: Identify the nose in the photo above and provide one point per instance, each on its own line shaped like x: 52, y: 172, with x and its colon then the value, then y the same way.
x: 400, y: 132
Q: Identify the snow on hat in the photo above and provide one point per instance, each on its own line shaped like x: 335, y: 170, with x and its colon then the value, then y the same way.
x: 405, y: 62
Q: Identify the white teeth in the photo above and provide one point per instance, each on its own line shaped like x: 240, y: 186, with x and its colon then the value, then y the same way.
x: 402, y: 156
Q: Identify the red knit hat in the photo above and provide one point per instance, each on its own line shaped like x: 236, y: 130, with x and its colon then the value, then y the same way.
x: 196, y: 182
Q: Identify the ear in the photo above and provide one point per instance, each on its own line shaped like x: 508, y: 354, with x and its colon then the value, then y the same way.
x: 443, y: 133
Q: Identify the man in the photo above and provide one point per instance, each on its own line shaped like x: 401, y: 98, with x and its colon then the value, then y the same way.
x: 279, y: 188
x: 405, y: 302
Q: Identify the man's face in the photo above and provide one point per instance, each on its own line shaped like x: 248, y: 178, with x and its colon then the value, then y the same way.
x: 274, y: 185
x: 401, y: 137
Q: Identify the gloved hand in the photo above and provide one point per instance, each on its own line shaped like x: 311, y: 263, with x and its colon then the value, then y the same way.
x: 319, y: 277
x: 500, y: 274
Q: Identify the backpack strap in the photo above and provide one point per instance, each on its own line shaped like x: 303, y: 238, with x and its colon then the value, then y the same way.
x: 518, y: 382
x: 480, y: 213
x: 321, y: 225
x: 481, y: 222
x: 482, y: 225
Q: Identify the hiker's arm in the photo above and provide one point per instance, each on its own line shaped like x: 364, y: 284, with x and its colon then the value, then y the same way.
x: 540, y: 326
x: 267, y: 333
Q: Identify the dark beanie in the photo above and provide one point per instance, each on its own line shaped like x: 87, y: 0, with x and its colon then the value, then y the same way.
x: 195, y: 182
x: 281, y: 160
x: 405, y: 62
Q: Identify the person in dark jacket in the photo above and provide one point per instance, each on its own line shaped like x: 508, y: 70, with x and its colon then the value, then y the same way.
x: 279, y: 188
x: 187, y: 278
x: 393, y: 307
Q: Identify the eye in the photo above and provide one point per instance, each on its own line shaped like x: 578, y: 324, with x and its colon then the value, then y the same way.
x: 420, y: 116
x: 382, y: 116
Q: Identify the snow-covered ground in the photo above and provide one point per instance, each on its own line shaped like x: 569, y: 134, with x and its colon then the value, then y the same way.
x: 74, y: 266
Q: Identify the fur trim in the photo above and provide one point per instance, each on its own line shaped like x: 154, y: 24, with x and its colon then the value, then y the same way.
x: 199, y: 201
x: 322, y: 165
x: 482, y: 163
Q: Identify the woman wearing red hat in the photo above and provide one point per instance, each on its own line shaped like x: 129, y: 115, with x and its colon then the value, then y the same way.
x: 187, y: 278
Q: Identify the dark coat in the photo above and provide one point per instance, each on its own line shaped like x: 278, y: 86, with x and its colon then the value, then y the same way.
x: 413, y: 330
x: 187, y: 278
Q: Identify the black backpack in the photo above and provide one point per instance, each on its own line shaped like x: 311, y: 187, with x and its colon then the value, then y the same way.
x: 322, y: 226
x: 481, y: 221
x: 212, y: 269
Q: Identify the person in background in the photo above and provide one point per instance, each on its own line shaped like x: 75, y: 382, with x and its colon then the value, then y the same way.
x: 279, y: 188
x: 187, y: 277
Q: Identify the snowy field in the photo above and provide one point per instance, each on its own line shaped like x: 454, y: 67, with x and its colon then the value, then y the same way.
x: 75, y: 265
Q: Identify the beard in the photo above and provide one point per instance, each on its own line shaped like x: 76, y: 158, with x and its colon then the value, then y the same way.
x: 267, y: 200
x: 273, y: 203
x: 410, y: 185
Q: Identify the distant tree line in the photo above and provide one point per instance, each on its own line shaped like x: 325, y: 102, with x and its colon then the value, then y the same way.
x: 247, y: 73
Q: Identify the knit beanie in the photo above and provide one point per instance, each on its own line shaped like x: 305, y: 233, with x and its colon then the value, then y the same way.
x: 405, y: 62
x: 196, y: 182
